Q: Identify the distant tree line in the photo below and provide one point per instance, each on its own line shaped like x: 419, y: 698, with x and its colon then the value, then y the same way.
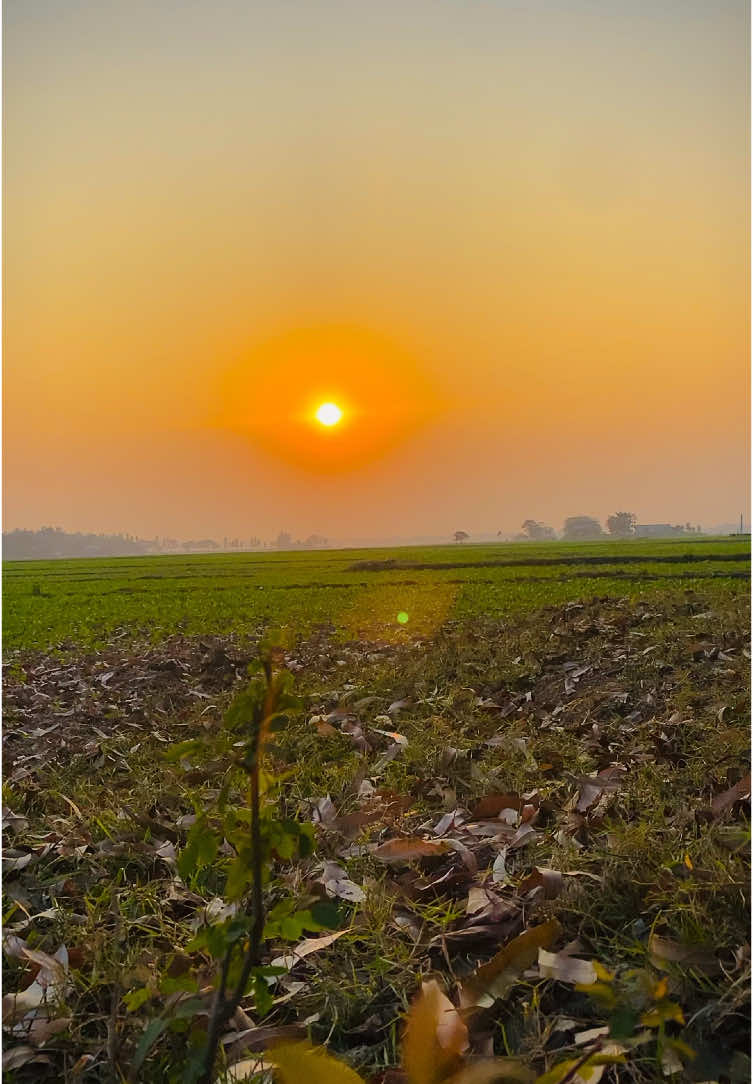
x: 51, y: 542
x: 284, y: 541
x: 587, y: 529
x: 619, y: 525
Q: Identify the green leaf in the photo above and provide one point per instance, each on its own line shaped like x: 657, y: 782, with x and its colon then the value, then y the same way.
x: 134, y: 999
x: 200, y: 849
x: 326, y: 914
x: 291, y: 928
x: 169, y: 985
x: 153, y: 1031
x: 623, y: 1023
x: 183, y: 749
x: 263, y: 999
x: 239, y: 877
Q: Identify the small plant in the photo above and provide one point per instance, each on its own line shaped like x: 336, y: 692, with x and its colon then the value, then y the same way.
x: 256, y: 838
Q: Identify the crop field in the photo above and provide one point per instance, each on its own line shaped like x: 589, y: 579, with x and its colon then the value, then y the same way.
x: 509, y: 805
x: 83, y: 602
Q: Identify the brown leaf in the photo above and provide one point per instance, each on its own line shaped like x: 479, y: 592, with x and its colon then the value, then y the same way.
x: 492, y: 805
x: 502, y: 970
x: 351, y: 824
x: 305, y: 948
x: 258, y: 1038
x: 663, y: 950
x: 409, y: 849
x: 565, y: 968
x: 723, y: 802
x: 524, y: 835
x: 337, y: 883
x: 17, y: 1056
x: 550, y: 880
x: 593, y: 786
x: 435, y: 1037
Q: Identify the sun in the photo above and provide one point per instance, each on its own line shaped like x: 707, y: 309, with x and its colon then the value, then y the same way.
x: 329, y: 414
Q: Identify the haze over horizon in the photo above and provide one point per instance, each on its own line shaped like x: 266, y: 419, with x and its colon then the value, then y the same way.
x: 509, y: 240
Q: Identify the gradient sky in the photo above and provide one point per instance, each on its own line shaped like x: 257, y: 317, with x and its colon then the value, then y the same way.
x: 511, y: 237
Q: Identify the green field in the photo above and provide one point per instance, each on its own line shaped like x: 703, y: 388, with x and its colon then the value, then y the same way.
x: 557, y: 738
x: 83, y: 602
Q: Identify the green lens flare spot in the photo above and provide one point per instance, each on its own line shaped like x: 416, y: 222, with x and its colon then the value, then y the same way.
x: 402, y: 617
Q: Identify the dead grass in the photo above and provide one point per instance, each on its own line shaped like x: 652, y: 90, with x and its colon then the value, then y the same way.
x: 654, y: 695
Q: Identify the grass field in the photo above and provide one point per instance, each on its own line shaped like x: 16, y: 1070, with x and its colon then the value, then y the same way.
x: 557, y: 732
x: 82, y: 602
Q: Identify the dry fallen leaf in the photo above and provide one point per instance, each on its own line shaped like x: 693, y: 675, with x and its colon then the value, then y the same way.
x: 592, y: 787
x: 299, y: 1062
x: 17, y: 1056
x: 337, y: 883
x: 564, y: 968
x: 305, y: 948
x: 738, y: 793
x: 663, y: 950
x: 435, y: 1037
x: 409, y: 849
x: 48, y: 986
x: 501, y: 972
x: 550, y: 880
x: 492, y: 805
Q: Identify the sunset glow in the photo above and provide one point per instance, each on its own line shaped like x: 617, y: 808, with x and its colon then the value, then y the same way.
x: 541, y: 205
x: 329, y: 414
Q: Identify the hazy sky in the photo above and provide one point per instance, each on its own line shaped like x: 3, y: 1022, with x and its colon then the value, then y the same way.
x: 510, y: 238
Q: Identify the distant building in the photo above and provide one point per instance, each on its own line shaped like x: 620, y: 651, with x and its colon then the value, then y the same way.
x: 658, y: 530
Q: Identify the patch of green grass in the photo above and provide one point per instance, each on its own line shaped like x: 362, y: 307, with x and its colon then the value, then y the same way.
x: 83, y: 602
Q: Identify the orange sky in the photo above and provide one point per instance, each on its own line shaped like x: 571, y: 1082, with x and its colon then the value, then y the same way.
x: 511, y: 239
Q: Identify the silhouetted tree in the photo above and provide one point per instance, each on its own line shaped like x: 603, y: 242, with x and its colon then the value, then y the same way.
x: 460, y: 536
x: 621, y: 524
x: 581, y: 528
x: 538, y: 532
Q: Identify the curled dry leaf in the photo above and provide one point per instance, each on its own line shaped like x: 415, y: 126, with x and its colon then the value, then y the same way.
x: 565, y: 968
x: 248, y: 1069
x: 499, y: 871
x: 663, y: 951
x: 477, y: 900
x: 468, y: 857
x: 524, y: 835
x: 399, y: 738
x: 494, y: 978
x: 48, y: 987
x: 337, y: 884
x: 398, y: 705
x: 592, y: 787
x: 259, y: 1038
x: 409, y: 849
x: 17, y: 1056
x: 359, y: 739
x: 550, y: 880
x: 305, y: 948
x: 435, y: 1037
x: 740, y: 792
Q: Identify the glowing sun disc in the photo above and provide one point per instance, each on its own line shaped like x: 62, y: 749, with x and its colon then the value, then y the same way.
x: 329, y: 414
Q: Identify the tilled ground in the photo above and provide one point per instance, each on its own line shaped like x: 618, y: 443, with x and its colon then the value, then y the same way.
x: 587, y: 764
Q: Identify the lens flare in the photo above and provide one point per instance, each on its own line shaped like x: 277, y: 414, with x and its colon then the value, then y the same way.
x: 402, y: 617
x: 329, y: 414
